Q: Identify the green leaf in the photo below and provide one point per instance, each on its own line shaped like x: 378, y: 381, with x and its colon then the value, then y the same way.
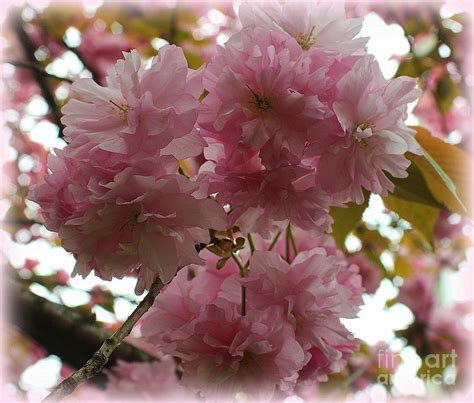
x: 194, y: 61
x: 446, y: 179
x: 414, y: 187
x: 446, y: 170
x: 421, y: 216
x: 373, y: 244
x: 414, y: 66
x: 345, y: 220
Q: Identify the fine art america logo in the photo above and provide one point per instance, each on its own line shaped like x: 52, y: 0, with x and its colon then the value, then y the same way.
x: 433, y: 365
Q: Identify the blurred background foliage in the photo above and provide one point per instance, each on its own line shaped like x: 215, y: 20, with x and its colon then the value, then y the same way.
x: 413, y: 245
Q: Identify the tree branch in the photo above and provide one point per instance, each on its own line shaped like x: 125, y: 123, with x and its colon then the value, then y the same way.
x: 94, y: 73
x: 37, y: 68
x: 61, y: 330
x: 29, y: 52
x: 97, y: 362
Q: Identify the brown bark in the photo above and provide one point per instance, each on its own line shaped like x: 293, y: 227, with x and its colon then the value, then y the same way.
x: 61, y: 330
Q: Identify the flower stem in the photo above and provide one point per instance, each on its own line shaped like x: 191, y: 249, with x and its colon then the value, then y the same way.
x: 272, y: 245
x: 244, y: 301
x: 243, y: 271
x: 251, y: 244
x: 293, y: 241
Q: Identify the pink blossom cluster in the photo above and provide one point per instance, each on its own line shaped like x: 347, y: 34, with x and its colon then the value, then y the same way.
x: 436, y: 329
x: 371, y: 361
x: 298, y: 117
x: 370, y: 274
x: 154, y: 381
x: 145, y: 382
x: 114, y: 194
x: 290, y: 333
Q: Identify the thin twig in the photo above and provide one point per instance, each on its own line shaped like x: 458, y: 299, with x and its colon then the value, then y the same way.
x: 95, y: 364
x: 29, y: 51
x: 37, y: 68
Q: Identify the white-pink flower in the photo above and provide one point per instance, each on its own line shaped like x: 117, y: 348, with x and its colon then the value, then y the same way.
x: 315, y: 291
x: 146, y: 381
x: 230, y: 353
x: 313, y: 24
x: 114, y: 194
x: 143, y: 218
x: 221, y: 351
x: 291, y: 330
x: 262, y: 96
x: 371, y: 274
x: 367, y: 137
x: 141, y: 110
x: 264, y: 201
x: 417, y: 293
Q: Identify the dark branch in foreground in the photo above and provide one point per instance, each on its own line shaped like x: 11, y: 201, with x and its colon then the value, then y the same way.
x: 37, y: 68
x: 29, y: 52
x: 98, y: 360
x: 94, y: 73
x: 62, y: 330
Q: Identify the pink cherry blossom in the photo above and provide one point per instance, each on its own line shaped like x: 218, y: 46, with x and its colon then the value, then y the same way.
x: 312, y: 24
x: 55, y: 195
x: 114, y: 194
x: 101, y: 49
x: 22, y: 352
x: 230, y: 353
x: 369, y: 272
x: 446, y: 333
x: 146, y: 381
x: 263, y: 201
x: 371, y: 361
x: 141, y: 110
x: 417, y: 293
x: 315, y: 292
x: 262, y: 96
x: 177, y: 310
x: 368, y: 137
x: 144, y: 217
x: 218, y: 347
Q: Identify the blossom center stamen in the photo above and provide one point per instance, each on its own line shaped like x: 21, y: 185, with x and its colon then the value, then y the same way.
x: 122, y: 109
x: 306, y: 40
x: 261, y: 102
x: 362, y: 133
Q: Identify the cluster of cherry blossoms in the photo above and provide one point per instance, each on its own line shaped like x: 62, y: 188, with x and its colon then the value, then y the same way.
x: 296, y: 117
x: 114, y: 193
x: 291, y: 331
